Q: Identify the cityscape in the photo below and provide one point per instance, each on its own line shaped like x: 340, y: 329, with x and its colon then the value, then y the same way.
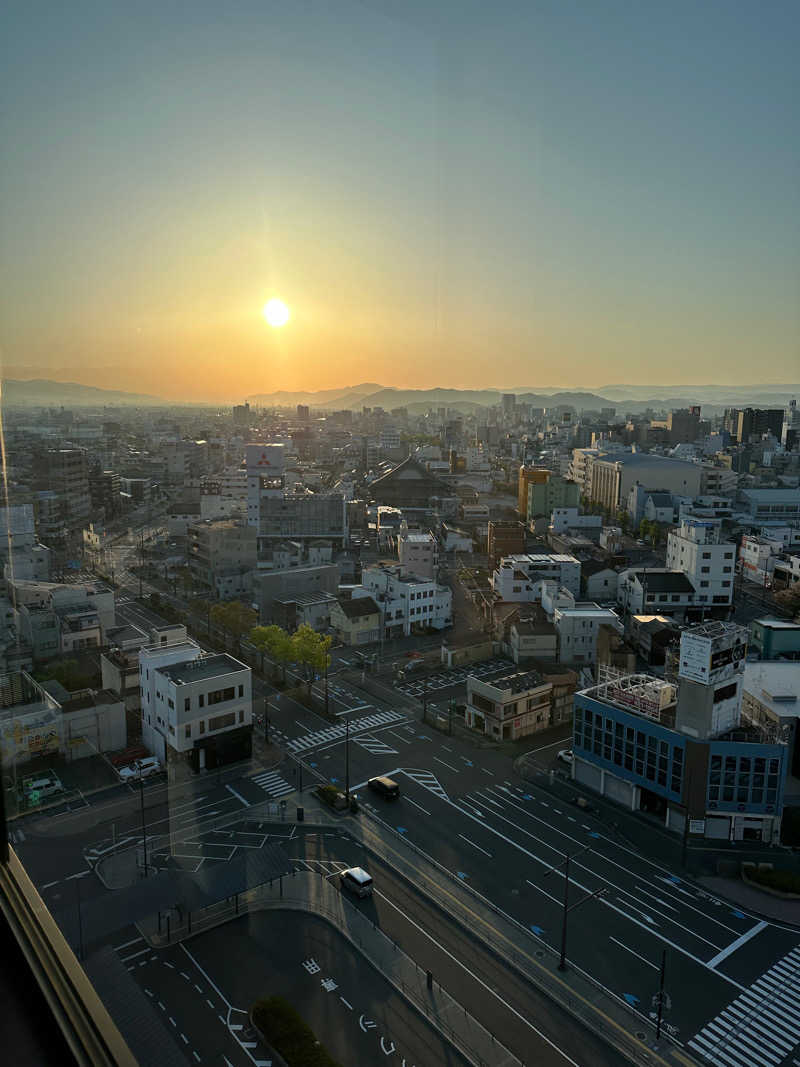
x: 444, y: 719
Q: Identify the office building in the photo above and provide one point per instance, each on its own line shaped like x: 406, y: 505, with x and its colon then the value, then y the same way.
x: 518, y: 578
x: 743, y: 424
x: 418, y: 554
x: 695, y: 549
x: 682, y: 752
x: 407, y: 604
x: 578, y: 628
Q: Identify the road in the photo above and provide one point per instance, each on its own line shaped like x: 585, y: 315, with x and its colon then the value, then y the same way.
x: 464, y: 808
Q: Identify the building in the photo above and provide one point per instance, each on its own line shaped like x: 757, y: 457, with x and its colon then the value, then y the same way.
x: 682, y: 753
x: 418, y: 554
x: 786, y: 573
x: 718, y: 480
x: 407, y: 604
x: 509, y: 707
x: 683, y: 425
x: 614, y: 475
x: 64, y: 471
x: 505, y: 539
x: 531, y: 636
x: 775, y: 639
x: 21, y: 555
x: 771, y: 704
x: 408, y: 485
x: 529, y: 476
x: 777, y: 507
x: 659, y: 507
x: 757, y: 558
x: 556, y: 492
x: 695, y: 549
x: 274, y: 588
x: 196, y: 705
x: 311, y: 609
x: 578, y: 628
x: 746, y: 423
x: 222, y: 555
x: 567, y: 521
x: 356, y: 621
x: 598, y: 581
x: 518, y: 578
x: 655, y: 590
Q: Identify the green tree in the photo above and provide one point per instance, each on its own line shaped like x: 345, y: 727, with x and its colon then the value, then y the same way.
x: 235, y: 617
x: 68, y: 673
x: 275, y: 643
x: 310, y: 651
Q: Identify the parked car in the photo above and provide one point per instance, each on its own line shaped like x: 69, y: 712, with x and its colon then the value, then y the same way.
x: 566, y: 756
x: 49, y: 786
x: 140, y: 768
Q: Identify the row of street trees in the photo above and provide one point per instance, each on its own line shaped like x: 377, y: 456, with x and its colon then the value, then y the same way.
x: 305, y: 648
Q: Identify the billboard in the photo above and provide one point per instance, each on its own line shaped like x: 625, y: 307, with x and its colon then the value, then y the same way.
x: 712, y: 657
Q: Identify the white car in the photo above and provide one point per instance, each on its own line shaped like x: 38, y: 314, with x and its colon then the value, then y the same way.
x: 566, y: 756
x: 140, y: 768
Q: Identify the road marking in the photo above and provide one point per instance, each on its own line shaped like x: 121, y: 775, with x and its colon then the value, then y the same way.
x: 209, y: 1004
x: 450, y: 766
x: 483, y: 850
x: 480, y: 982
x: 636, y: 954
x: 185, y: 1039
x: 734, y: 945
x: 198, y: 1058
x: 224, y: 999
x: 49, y: 885
x: 197, y: 987
x: 172, y: 1021
x: 238, y: 795
x: 135, y: 954
x: 80, y: 874
x: 186, y: 976
x: 416, y: 805
x: 447, y: 748
x: 485, y: 771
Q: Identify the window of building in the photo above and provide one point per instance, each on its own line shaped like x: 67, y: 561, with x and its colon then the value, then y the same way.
x: 187, y: 704
x: 221, y: 722
x: 201, y: 726
x: 201, y: 700
x: 187, y: 730
x: 219, y: 696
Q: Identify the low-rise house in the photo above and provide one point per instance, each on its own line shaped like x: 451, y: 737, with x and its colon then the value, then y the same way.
x: 356, y: 620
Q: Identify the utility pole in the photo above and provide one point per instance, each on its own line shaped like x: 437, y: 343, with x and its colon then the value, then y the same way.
x: 424, y: 698
x: 327, y: 701
x: 144, y: 828
x: 661, y: 993
x: 567, y: 907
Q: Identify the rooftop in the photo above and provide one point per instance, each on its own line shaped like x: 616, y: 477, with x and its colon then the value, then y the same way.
x: 663, y: 581
x: 515, y: 681
x: 193, y: 670
x: 778, y: 624
x: 772, y: 496
x: 358, y: 607
x: 776, y: 685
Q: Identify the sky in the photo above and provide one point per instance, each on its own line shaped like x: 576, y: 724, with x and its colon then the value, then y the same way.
x: 444, y: 193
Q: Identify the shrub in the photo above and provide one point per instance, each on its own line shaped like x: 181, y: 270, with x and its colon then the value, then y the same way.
x: 289, y: 1035
x: 783, y: 881
x: 327, y: 794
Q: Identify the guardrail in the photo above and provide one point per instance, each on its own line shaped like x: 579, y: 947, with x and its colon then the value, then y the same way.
x: 312, y: 892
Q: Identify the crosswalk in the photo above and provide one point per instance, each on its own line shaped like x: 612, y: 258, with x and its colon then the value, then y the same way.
x: 374, y: 745
x: 338, y: 731
x: 428, y: 781
x: 272, y: 783
x: 762, y: 1026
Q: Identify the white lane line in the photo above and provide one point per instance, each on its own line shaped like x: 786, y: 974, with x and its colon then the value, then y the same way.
x: 448, y: 765
x: 446, y: 748
x: 238, y: 795
x: 133, y: 955
x: 209, y: 1004
x: 170, y: 965
x: 483, y: 850
x: 658, y: 900
x: 149, y: 992
x: 636, y: 954
x: 186, y: 976
x: 197, y: 987
x: 184, y: 1039
x: 485, y: 771
x: 408, y: 800
x: 223, y: 998
x: 196, y: 1056
x: 80, y: 874
x: 480, y: 982
x: 734, y: 945
x: 49, y: 885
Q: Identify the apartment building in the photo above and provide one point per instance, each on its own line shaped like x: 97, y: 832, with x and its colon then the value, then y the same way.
x: 222, y: 555
x: 569, y: 522
x: 64, y: 471
x: 196, y: 705
x: 757, y: 557
x: 408, y: 604
x: 518, y: 578
x: 418, y: 554
x: 578, y: 628
x: 695, y: 549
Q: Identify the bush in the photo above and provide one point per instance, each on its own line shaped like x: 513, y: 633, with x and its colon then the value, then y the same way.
x: 783, y: 881
x: 289, y: 1035
x: 327, y: 794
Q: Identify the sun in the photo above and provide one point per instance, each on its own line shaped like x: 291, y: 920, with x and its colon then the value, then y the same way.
x: 276, y: 312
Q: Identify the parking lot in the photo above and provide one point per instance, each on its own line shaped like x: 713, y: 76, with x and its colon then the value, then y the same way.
x: 415, y: 686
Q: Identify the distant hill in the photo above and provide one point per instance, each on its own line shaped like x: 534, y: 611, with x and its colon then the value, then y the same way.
x: 42, y: 392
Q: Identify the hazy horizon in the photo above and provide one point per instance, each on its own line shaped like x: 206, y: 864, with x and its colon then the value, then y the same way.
x: 587, y: 193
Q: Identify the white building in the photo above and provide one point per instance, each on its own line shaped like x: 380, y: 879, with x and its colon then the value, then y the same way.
x: 695, y: 549
x: 418, y: 554
x: 570, y: 521
x: 655, y: 590
x: 407, y: 603
x: 518, y: 578
x: 194, y: 702
x: 577, y: 629
x: 758, y: 556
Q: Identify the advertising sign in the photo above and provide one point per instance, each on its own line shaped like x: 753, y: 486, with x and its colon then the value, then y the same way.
x: 695, y: 657
x: 713, y: 658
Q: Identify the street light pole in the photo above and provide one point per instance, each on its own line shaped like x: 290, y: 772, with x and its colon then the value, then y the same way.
x: 144, y: 828
x: 567, y: 907
x: 661, y: 993
x: 347, y: 761
x: 327, y: 702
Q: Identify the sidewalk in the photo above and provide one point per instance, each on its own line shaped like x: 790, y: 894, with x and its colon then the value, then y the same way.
x: 747, y: 896
x: 311, y: 892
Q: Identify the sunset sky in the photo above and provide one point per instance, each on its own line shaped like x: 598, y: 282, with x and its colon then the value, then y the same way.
x: 448, y: 193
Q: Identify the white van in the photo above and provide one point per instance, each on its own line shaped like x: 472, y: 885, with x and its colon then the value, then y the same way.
x: 44, y: 787
x: 357, y: 881
x: 140, y: 768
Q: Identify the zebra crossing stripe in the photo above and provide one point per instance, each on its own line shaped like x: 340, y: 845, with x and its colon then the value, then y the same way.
x: 761, y: 1026
x: 273, y: 783
x: 330, y: 733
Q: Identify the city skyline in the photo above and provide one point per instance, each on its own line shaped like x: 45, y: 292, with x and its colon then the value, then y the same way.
x: 450, y: 196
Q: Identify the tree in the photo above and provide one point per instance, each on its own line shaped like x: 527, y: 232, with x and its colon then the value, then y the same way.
x: 310, y: 651
x: 275, y: 643
x: 235, y: 617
